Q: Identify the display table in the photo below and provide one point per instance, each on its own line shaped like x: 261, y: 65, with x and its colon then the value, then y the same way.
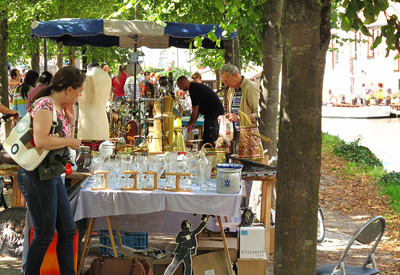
x: 17, y: 199
x: 111, y: 203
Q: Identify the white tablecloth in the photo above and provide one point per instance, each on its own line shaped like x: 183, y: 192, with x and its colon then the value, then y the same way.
x: 152, y: 211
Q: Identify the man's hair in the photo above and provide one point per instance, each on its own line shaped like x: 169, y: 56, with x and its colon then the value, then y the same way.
x: 230, y: 69
x: 182, y: 79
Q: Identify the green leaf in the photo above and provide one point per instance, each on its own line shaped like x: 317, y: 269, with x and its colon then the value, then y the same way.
x: 346, y: 24
x: 365, y: 31
x: 377, y: 41
x: 198, y: 41
x: 212, y: 36
x: 220, y: 5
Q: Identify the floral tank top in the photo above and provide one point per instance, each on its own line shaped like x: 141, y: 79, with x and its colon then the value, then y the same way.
x: 47, y: 104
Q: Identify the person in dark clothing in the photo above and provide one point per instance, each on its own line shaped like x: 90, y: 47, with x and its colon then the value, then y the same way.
x: 206, y: 102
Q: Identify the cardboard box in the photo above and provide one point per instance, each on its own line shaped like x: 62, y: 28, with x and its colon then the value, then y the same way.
x: 160, y: 265
x: 213, y: 243
x: 251, y: 266
x: 213, y: 263
x: 252, y: 243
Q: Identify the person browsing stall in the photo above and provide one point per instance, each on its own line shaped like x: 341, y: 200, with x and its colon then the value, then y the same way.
x: 118, y: 82
x: 44, y: 80
x: 43, y: 188
x: 20, y: 97
x: 248, y: 103
x: 196, y: 76
x: 250, y: 93
x: 206, y: 102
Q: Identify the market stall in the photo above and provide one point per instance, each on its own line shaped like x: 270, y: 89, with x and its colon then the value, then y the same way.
x: 145, y: 180
x: 128, y: 34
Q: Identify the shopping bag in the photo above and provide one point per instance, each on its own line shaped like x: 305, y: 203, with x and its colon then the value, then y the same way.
x: 225, y: 128
x: 20, y: 146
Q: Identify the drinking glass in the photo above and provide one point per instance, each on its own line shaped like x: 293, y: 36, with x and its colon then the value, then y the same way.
x: 171, y: 159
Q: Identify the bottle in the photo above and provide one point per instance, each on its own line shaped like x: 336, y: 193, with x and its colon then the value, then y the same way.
x: 201, y: 171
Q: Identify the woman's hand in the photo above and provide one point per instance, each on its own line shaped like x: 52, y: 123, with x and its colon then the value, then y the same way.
x: 75, y: 143
x: 69, y: 112
x: 232, y: 117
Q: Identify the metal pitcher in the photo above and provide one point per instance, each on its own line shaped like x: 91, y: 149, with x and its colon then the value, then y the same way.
x: 250, y: 145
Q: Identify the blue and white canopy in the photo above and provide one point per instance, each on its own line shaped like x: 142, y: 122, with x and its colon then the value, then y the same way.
x: 124, y: 33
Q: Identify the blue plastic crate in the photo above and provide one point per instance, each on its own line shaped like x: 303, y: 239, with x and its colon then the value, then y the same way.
x: 135, y: 240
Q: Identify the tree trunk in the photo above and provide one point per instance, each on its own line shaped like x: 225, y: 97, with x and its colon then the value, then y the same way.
x: 60, y: 55
x: 232, y: 52
x: 71, y: 56
x: 3, y: 57
x: 305, y: 39
x: 272, y: 60
x: 35, y: 57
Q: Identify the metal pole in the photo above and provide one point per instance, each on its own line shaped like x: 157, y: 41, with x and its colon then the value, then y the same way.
x: 134, y: 77
x: 45, y: 54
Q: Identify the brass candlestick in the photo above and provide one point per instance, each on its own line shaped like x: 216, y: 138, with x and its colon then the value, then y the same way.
x: 134, y: 175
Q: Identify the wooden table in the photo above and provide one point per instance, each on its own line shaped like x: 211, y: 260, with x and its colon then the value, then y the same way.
x: 17, y: 198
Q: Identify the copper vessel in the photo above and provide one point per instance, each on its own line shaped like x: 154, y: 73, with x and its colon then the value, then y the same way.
x: 250, y: 145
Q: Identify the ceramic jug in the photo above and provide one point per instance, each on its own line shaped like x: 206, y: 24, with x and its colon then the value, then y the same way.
x: 106, y: 149
x: 229, y: 178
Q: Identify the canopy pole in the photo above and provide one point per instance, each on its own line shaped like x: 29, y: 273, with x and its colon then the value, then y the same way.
x: 134, y: 77
x: 45, y: 54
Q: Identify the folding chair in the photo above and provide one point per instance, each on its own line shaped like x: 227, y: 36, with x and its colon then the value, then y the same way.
x: 370, y: 232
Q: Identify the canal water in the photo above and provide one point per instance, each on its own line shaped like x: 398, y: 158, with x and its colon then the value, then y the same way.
x: 381, y: 136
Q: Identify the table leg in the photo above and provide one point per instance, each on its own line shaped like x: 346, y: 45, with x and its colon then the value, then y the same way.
x: 17, y: 199
x: 266, y: 197
x: 85, y: 248
x: 117, y: 230
x: 227, y: 255
x: 111, y: 237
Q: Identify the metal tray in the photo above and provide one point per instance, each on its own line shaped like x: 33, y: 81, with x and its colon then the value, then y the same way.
x: 253, y: 166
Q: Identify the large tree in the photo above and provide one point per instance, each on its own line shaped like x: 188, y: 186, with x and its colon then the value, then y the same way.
x: 3, y: 54
x: 272, y: 60
x: 305, y: 40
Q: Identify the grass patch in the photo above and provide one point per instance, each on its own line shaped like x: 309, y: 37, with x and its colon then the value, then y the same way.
x: 390, y: 184
x: 362, y: 162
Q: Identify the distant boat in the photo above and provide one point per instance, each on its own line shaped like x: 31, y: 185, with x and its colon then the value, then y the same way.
x: 355, y: 111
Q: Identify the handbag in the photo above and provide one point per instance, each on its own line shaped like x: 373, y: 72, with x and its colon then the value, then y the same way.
x: 107, y: 265
x: 20, y: 146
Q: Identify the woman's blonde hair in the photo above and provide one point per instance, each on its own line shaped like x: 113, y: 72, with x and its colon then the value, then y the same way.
x: 120, y: 70
x: 196, y: 75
